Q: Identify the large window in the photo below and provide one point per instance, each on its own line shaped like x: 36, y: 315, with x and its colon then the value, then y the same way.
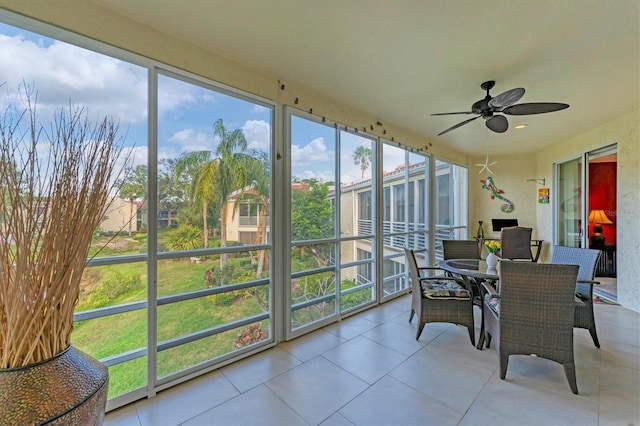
x: 111, y: 318
x: 182, y: 274
x: 208, y: 285
x: 451, y: 209
x: 405, y: 197
x: 214, y: 162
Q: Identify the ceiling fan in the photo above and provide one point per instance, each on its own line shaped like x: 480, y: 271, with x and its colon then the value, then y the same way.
x: 504, y: 103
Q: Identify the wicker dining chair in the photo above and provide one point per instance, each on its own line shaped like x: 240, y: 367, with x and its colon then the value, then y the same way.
x: 533, y: 314
x: 460, y: 249
x: 586, y: 259
x: 438, y: 298
x: 515, y: 243
x: 464, y: 249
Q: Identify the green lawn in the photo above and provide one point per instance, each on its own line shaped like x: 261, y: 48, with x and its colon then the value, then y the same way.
x: 123, y: 283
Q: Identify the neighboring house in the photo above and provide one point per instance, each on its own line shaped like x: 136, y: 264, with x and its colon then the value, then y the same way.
x: 356, y: 216
x: 121, y: 216
x: 242, y: 219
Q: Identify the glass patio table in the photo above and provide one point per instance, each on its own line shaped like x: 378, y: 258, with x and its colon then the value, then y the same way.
x: 473, y: 270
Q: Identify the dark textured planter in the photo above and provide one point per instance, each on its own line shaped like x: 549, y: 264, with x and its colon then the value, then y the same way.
x: 68, y: 389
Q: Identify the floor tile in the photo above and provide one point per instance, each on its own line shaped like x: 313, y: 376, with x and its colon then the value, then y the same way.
x: 259, y: 406
x: 621, y: 354
x: 530, y: 371
x: 350, y: 327
x: 311, y: 345
x: 259, y: 368
x: 442, y: 377
x: 389, y: 402
x: 177, y: 404
x: 124, y: 416
x: 619, y: 395
x: 336, y: 419
x: 397, y: 337
x: 380, y: 315
x: 316, y: 389
x: 369, y: 369
x: 365, y: 359
x: 503, y: 402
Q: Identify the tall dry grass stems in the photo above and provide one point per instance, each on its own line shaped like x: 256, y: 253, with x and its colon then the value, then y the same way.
x: 56, y: 183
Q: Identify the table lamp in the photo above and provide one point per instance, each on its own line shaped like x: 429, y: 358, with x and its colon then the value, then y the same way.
x: 599, y: 218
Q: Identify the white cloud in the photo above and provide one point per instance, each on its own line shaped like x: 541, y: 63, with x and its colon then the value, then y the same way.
x: 320, y: 176
x: 189, y: 140
x: 61, y: 73
x: 258, y: 134
x: 314, y: 152
x: 179, y: 98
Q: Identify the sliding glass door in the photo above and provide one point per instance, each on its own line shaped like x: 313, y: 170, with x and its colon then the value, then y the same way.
x: 569, y: 211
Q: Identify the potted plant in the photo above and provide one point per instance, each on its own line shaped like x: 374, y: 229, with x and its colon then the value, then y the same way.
x: 493, y: 246
x: 56, y: 183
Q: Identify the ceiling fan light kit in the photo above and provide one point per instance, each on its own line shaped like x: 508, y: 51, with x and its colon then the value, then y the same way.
x: 504, y: 103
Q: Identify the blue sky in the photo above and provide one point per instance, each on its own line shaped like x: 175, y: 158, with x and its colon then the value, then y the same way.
x: 63, y: 73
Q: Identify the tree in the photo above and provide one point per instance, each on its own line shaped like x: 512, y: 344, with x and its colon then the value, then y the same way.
x: 197, y: 168
x: 363, y: 157
x: 133, y: 186
x: 173, y: 191
x: 216, y: 174
x: 313, y: 217
x: 184, y: 237
x: 259, y: 174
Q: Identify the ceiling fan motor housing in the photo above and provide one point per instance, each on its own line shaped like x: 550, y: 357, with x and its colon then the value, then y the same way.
x: 482, y: 108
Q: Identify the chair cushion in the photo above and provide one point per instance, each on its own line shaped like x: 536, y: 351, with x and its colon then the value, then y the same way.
x: 444, y: 289
x: 492, y: 302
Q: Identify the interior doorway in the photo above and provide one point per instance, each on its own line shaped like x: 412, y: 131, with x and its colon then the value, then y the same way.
x: 585, y: 212
x: 602, y: 209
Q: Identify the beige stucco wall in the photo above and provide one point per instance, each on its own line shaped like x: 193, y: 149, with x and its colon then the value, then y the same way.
x: 625, y: 131
x: 510, y: 174
x: 118, y: 216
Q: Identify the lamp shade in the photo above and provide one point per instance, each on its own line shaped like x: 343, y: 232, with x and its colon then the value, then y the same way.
x: 598, y: 216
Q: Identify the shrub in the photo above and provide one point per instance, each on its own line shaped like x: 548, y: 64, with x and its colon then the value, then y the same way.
x: 252, y: 334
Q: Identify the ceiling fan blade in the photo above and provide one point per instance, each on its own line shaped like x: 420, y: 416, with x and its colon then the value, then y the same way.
x: 458, y: 125
x: 498, y: 123
x: 452, y: 113
x: 507, y: 98
x: 534, y: 108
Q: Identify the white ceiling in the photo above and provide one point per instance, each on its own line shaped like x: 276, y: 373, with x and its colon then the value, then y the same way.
x: 401, y: 60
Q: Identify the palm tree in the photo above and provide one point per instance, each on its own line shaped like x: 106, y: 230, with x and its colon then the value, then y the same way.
x: 231, y: 173
x: 362, y: 156
x: 200, y: 171
x: 216, y: 175
x: 133, y: 185
x: 259, y: 174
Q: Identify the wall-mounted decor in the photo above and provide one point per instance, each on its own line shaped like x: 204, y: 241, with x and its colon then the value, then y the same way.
x: 543, y: 195
x: 488, y: 184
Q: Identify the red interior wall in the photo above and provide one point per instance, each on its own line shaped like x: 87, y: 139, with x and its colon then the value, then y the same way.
x: 602, y: 195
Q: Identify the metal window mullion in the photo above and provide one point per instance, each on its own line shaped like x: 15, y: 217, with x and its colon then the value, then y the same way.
x: 123, y: 357
x: 109, y: 310
x: 166, y: 300
x: 192, y: 337
x: 430, y: 187
x: 338, y: 222
x: 152, y: 235
x: 281, y: 265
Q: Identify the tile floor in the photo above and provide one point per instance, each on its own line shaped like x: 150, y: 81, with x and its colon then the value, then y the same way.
x: 607, y: 288
x: 369, y: 370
